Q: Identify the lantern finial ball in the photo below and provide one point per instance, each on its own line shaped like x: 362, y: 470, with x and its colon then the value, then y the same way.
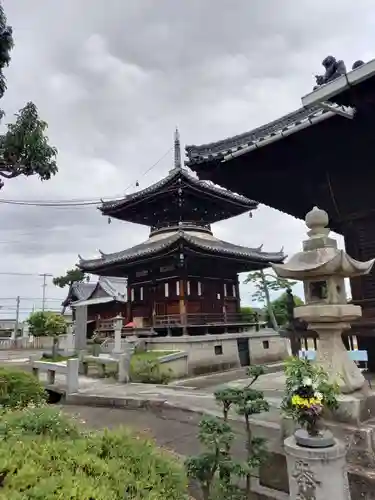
x: 316, y: 218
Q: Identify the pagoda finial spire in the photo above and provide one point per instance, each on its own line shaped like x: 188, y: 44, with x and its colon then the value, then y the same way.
x: 177, y: 149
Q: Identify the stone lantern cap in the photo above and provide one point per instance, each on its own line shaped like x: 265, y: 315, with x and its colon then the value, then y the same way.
x: 320, y: 256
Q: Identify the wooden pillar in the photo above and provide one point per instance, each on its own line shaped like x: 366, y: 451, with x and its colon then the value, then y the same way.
x: 183, y: 314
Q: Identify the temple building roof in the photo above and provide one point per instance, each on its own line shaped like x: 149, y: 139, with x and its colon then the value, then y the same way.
x: 199, y: 243
x: 343, y: 91
x: 258, y: 137
x: 106, y: 289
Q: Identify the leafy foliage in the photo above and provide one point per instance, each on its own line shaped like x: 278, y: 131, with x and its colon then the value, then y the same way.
x: 307, y: 392
x: 263, y: 284
x: 71, y: 276
x: 44, y: 421
x: 42, y: 323
x: 6, y: 45
x: 24, y: 148
x: 280, y: 308
x: 52, y: 458
x: 266, y: 281
x: 216, y: 434
x: 149, y: 371
x: 18, y: 389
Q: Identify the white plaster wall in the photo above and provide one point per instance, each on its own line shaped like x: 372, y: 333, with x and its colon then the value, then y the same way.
x: 265, y: 347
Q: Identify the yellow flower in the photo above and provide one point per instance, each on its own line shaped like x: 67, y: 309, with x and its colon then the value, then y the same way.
x: 305, y: 402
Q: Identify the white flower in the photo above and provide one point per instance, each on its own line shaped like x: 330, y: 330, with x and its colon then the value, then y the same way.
x: 318, y: 395
x: 307, y: 382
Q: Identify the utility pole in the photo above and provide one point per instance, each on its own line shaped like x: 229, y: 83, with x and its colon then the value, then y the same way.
x: 15, y: 332
x: 44, y: 286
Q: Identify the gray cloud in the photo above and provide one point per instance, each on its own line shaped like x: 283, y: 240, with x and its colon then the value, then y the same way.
x: 114, y: 78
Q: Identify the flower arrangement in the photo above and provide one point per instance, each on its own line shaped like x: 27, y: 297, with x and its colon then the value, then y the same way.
x: 308, y: 393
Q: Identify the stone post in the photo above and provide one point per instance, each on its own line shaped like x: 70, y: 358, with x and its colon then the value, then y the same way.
x: 80, y: 339
x: 124, y: 364
x: 317, y: 473
x: 118, y: 323
x: 69, y: 341
x: 72, y: 375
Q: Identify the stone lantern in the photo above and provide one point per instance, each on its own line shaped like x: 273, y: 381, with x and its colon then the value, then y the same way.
x: 323, y: 268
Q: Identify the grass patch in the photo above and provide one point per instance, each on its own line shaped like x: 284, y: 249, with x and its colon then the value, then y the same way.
x: 149, y: 356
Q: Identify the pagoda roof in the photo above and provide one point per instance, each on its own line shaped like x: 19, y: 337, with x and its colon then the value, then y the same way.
x: 205, y: 244
x: 177, y: 177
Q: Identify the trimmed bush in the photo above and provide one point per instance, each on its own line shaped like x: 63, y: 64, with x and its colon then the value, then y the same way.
x: 42, y: 461
x: 149, y: 372
x: 45, y: 421
x: 19, y: 389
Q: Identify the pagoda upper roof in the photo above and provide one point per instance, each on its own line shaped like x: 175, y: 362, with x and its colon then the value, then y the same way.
x: 204, y: 244
x: 136, y: 207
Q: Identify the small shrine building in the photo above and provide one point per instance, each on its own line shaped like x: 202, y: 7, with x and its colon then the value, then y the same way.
x: 182, y: 279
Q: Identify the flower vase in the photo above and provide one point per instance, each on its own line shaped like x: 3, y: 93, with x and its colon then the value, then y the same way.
x: 314, y: 438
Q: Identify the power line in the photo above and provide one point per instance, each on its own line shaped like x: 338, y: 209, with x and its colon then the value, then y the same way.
x: 24, y: 274
x: 78, y: 202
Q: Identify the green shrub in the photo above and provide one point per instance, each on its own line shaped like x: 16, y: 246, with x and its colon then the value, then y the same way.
x: 19, y: 389
x: 149, y: 371
x: 45, y: 421
x: 99, y: 466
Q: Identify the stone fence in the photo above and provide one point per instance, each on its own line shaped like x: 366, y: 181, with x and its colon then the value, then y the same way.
x: 67, y: 368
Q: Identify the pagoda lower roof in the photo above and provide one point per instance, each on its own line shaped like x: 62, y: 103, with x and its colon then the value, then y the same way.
x: 164, y: 244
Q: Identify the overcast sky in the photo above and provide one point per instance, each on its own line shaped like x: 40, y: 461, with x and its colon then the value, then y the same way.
x: 114, y: 78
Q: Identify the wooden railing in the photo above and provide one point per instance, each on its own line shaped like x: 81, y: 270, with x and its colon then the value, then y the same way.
x: 197, y: 319
x: 205, y: 319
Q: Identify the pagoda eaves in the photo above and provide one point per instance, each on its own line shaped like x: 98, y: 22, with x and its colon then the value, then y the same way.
x: 179, y: 196
x: 174, y: 242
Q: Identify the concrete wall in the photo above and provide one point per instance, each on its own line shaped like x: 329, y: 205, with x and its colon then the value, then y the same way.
x: 266, y: 347
x: 208, y: 353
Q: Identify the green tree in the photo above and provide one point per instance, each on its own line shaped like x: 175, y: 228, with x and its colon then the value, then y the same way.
x: 47, y: 323
x: 280, y: 308
x: 24, y: 148
x: 71, y: 276
x: 264, y: 283
x: 37, y: 323
x: 55, y: 326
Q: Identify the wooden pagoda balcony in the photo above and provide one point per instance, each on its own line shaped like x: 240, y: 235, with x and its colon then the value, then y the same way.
x: 190, y: 320
x: 201, y: 319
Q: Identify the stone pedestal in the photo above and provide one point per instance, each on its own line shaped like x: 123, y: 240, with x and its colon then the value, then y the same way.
x: 333, y: 357
x: 317, y: 473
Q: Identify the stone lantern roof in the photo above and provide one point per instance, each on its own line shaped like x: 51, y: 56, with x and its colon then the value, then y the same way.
x: 320, y: 256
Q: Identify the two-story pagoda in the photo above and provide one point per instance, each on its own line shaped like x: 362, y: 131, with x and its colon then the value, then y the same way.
x: 182, y: 278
